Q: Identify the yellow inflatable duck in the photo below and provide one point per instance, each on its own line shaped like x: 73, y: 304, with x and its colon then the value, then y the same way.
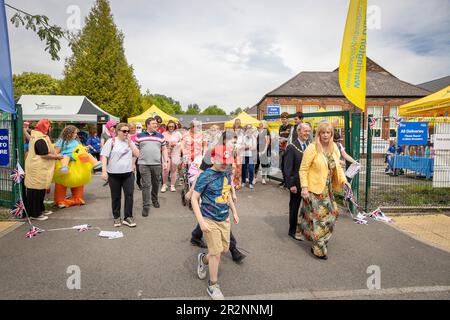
x: 79, y: 170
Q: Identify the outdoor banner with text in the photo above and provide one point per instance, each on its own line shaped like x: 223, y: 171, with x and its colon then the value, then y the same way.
x: 413, y: 133
x: 4, y: 147
x: 352, y: 66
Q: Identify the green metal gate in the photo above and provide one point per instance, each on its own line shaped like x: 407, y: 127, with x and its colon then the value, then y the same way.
x: 350, y: 132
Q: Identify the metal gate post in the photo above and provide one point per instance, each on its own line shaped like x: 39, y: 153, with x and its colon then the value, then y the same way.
x: 368, y: 162
x: 356, y: 149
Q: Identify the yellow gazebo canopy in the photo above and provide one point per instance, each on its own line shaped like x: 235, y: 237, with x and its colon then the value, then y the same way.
x: 151, y: 112
x: 245, y: 120
x: 436, y: 104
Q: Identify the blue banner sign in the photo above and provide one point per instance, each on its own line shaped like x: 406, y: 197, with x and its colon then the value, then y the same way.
x: 273, y: 110
x: 412, y: 133
x: 4, y: 147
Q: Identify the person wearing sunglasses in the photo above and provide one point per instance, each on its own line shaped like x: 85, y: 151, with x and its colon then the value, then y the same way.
x: 173, y: 138
x: 117, y: 159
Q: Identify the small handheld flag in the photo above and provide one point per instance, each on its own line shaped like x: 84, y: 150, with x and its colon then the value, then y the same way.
x: 18, y: 209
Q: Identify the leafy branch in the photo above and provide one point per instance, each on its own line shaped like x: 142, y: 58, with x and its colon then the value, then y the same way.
x: 40, y: 25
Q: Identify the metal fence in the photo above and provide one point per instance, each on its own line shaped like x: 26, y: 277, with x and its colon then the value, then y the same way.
x: 416, y: 175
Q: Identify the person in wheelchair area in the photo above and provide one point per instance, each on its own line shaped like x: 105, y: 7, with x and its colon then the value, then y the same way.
x: 393, y: 150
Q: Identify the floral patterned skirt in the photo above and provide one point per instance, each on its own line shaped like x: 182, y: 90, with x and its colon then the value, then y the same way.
x: 316, y: 221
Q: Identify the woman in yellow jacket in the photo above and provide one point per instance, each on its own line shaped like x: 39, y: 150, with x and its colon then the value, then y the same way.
x: 320, y: 174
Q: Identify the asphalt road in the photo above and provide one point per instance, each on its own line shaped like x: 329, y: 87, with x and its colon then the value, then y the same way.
x: 156, y: 261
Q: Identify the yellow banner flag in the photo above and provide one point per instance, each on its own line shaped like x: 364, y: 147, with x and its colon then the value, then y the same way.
x: 352, y: 67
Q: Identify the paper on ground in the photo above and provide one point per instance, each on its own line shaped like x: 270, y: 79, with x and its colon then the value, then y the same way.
x: 82, y: 226
x: 111, y: 234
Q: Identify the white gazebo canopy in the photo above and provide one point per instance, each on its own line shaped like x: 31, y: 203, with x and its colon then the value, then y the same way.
x: 62, y: 108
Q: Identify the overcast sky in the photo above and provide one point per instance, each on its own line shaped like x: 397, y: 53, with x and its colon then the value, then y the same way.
x: 230, y: 53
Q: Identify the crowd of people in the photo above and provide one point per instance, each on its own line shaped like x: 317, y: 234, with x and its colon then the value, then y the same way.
x: 220, y: 163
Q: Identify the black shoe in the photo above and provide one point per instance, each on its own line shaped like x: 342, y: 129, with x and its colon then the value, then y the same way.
x: 139, y: 186
x: 198, y: 242
x: 322, y: 257
x: 237, y: 255
x: 145, y: 212
x: 156, y: 204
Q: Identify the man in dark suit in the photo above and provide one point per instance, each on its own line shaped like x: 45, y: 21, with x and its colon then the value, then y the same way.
x: 292, y: 161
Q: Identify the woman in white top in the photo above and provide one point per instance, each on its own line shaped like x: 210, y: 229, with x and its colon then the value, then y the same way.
x: 343, y: 154
x: 173, y: 138
x: 117, y: 160
x: 249, y: 156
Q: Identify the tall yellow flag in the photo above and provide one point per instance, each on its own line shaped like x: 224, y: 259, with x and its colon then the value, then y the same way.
x: 352, y: 67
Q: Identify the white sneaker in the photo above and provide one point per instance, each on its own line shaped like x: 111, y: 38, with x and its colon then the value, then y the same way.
x: 254, y: 181
x: 164, y: 188
x: 243, y: 185
x: 172, y: 189
x: 214, y: 292
x: 263, y: 181
x: 251, y: 186
x: 201, y: 266
x: 40, y: 218
x: 48, y: 212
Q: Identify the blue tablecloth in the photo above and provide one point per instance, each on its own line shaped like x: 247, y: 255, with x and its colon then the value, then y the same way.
x: 418, y: 164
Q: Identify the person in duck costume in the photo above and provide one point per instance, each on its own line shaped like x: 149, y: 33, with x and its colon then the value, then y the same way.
x: 74, y: 174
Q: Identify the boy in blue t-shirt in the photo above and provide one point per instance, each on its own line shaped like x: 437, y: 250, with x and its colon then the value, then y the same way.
x: 213, y: 186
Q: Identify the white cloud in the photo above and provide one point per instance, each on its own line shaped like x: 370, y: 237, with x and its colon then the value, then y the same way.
x: 231, y: 53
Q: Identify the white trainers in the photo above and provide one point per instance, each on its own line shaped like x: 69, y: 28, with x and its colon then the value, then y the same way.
x: 214, y: 292
x: 164, y: 188
x: 172, y: 189
x: 254, y: 181
x: 47, y: 212
x: 40, y: 218
x: 251, y: 186
x: 201, y: 266
x: 263, y: 181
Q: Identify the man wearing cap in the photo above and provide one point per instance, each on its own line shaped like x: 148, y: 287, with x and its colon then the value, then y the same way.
x: 213, y: 186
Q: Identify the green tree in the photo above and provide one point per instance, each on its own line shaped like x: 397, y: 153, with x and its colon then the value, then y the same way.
x: 166, y: 104
x: 39, y: 24
x: 35, y: 83
x: 98, y: 68
x: 193, y: 109
x: 214, y: 110
x: 236, y: 111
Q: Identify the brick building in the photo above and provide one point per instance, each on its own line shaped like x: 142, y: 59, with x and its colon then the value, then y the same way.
x: 314, y: 91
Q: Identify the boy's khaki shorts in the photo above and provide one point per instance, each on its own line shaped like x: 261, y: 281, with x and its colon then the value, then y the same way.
x: 218, y: 239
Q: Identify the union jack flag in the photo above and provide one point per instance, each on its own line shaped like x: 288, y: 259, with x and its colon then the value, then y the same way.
x: 34, y: 231
x: 377, y: 214
x: 18, y: 209
x: 397, y: 120
x: 17, y: 174
x: 372, y: 122
x: 348, y: 194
